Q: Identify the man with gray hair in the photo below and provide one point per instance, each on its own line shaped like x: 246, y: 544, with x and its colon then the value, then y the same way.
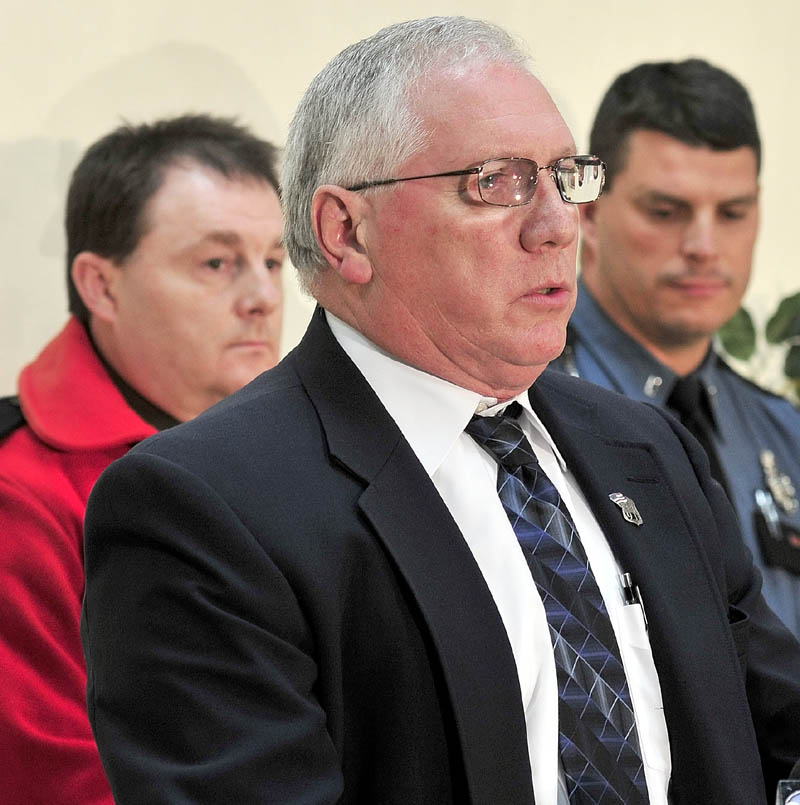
x: 394, y: 569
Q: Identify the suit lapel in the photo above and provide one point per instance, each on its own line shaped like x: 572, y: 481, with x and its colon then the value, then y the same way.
x: 662, y: 554
x: 692, y: 648
x: 435, y: 563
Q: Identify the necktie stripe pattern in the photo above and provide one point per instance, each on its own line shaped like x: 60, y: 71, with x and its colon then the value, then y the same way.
x: 597, y: 731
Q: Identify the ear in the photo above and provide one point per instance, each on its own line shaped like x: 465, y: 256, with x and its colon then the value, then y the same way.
x: 336, y: 218
x: 588, y: 213
x: 588, y: 231
x: 94, y: 278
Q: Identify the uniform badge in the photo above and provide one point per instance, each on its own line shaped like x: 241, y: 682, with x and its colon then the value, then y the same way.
x: 628, y: 507
x: 779, y: 484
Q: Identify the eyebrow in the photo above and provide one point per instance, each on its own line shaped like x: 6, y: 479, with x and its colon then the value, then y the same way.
x: 227, y: 238
x: 230, y: 238
x: 666, y: 198
x: 569, y: 150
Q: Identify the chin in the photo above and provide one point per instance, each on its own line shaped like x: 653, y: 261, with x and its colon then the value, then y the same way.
x: 250, y: 366
x: 249, y: 374
x: 539, y: 351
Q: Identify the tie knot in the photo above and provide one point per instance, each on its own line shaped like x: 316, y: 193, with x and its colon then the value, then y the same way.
x: 689, y: 400
x: 686, y: 394
x: 502, y: 436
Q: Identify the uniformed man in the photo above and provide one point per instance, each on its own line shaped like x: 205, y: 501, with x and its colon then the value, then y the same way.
x: 667, y: 253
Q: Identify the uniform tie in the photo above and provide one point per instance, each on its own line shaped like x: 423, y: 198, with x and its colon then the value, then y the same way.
x: 598, y: 741
x: 689, y: 400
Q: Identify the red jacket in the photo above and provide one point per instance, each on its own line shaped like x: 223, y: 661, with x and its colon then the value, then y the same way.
x: 77, y: 423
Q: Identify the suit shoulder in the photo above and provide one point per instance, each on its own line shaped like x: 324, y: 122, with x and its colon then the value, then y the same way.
x: 563, y: 401
x: 554, y: 382
x: 258, y: 412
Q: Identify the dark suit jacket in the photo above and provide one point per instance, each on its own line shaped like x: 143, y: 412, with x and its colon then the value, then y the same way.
x: 280, y: 608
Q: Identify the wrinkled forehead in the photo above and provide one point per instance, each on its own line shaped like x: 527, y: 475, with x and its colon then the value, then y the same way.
x: 479, y: 111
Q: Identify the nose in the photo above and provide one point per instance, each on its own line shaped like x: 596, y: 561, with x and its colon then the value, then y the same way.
x: 260, y: 291
x: 700, y: 239
x: 549, y: 221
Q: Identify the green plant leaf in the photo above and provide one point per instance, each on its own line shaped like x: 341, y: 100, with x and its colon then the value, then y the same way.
x: 791, y: 366
x: 785, y: 321
x: 738, y: 336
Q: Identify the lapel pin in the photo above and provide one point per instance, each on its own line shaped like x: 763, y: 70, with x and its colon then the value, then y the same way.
x: 628, y: 507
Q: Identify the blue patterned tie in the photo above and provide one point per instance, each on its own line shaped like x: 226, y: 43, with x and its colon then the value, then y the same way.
x: 598, y: 741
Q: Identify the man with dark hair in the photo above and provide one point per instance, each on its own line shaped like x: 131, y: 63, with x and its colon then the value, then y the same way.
x: 667, y: 253
x: 174, y: 240
x: 391, y: 569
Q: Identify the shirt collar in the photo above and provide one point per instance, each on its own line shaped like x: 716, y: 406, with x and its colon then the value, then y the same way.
x: 430, y: 412
x: 149, y: 412
x: 640, y: 374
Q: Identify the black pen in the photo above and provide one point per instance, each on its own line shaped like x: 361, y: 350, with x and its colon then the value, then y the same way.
x: 632, y: 595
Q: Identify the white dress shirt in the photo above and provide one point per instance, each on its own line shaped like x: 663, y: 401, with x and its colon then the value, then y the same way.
x: 432, y: 414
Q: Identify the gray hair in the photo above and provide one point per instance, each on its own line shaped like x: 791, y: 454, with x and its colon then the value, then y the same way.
x: 357, y: 122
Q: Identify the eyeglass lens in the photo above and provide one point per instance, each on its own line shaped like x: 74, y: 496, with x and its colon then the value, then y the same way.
x: 512, y: 182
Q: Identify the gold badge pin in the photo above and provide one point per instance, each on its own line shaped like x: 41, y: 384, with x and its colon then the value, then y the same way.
x: 628, y: 507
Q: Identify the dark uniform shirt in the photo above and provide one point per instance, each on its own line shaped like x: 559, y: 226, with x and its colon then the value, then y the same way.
x: 756, y: 434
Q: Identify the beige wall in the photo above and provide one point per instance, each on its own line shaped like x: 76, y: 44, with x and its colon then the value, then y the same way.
x: 71, y: 71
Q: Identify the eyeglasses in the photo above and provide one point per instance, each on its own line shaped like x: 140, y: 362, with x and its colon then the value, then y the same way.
x: 511, y: 181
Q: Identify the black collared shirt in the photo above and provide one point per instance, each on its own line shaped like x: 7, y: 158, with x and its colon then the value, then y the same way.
x: 150, y: 413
